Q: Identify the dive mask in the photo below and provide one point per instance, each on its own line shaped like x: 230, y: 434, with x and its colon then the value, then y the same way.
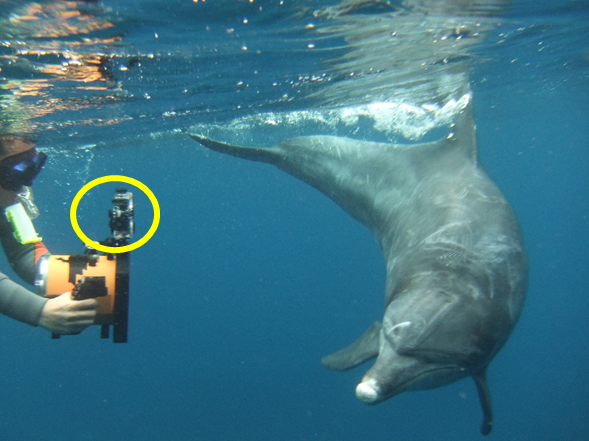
x: 21, y: 169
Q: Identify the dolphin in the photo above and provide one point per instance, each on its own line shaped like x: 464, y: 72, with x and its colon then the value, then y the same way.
x: 455, y: 261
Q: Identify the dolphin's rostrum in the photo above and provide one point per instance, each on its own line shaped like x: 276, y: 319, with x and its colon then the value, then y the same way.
x: 455, y: 262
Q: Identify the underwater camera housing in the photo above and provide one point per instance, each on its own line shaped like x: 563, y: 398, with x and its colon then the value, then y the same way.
x: 104, y: 277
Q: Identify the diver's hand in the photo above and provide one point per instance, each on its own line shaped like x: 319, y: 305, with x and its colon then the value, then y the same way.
x: 62, y: 315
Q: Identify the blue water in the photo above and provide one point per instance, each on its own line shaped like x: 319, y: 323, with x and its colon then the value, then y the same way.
x: 252, y: 276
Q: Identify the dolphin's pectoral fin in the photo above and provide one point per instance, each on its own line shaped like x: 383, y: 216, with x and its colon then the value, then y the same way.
x: 480, y: 379
x: 251, y: 153
x: 363, y: 349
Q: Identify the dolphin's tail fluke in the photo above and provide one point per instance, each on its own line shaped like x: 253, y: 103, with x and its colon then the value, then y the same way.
x: 252, y: 153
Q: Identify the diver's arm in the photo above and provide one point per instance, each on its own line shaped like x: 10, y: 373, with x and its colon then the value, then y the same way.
x: 16, y: 301
x: 19, y: 303
x: 22, y: 258
x: 60, y: 315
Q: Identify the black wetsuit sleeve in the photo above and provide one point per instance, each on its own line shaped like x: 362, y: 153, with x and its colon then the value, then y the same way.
x: 19, y: 303
x: 16, y: 301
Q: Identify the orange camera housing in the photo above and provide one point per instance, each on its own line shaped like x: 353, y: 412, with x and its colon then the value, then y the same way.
x: 59, y: 274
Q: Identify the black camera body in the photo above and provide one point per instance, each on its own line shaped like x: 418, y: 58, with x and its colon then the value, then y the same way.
x: 122, y: 215
x: 90, y: 287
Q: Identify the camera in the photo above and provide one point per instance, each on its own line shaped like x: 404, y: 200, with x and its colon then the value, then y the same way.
x: 122, y: 215
x: 104, y: 277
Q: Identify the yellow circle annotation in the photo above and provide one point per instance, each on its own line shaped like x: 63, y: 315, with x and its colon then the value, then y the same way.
x: 115, y: 178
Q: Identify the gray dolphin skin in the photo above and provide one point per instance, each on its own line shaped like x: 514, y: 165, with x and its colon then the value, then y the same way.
x: 455, y: 261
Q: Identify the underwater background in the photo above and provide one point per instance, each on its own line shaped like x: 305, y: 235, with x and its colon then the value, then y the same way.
x: 253, y: 276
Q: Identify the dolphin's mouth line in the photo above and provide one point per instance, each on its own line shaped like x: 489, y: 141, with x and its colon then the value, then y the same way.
x: 401, y: 387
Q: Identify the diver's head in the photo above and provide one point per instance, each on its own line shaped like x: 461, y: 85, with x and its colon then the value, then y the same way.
x: 20, y: 163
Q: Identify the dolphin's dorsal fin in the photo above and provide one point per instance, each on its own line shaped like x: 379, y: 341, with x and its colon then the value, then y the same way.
x: 463, y: 132
x: 363, y: 349
x: 480, y: 379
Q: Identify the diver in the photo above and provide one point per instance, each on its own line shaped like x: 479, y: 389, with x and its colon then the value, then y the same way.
x: 20, y: 163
